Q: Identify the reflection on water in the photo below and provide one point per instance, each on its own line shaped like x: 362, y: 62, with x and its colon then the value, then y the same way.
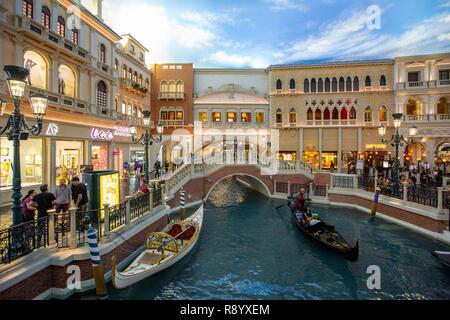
x: 228, y: 193
x: 249, y: 250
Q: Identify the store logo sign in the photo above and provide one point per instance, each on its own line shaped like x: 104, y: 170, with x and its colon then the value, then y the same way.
x: 52, y: 129
x: 122, y: 131
x: 102, y: 134
x: 375, y: 146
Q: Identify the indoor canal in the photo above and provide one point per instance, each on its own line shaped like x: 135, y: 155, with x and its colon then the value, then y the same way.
x: 249, y: 250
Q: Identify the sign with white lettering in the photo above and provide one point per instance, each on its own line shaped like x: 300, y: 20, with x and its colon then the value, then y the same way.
x: 375, y: 146
x: 52, y: 129
x: 102, y: 134
x: 122, y: 131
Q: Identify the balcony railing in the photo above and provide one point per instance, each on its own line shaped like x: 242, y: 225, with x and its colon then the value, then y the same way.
x: 423, y: 84
x: 172, y: 95
x: 51, y: 37
x: 442, y: 117
x: 133, y: 87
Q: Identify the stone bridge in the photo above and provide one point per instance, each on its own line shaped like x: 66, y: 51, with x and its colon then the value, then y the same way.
x: 198, y: 180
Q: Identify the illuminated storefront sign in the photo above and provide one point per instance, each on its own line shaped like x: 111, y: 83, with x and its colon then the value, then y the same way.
x: 122, y: 131
x: 52, y: 129
x: 375, y: 146
x: 102, y: 134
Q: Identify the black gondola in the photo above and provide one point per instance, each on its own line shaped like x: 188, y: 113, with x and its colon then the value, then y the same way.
x: 327, y: 235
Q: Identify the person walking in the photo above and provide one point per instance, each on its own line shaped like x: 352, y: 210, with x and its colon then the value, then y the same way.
x: 44, y: 200
x: 332, y: 167
x: 63, y: 194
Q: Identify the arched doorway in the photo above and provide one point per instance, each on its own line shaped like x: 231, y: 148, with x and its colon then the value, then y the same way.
x: 414, y: 109
x: 414, y: 153
x: 443, y: 153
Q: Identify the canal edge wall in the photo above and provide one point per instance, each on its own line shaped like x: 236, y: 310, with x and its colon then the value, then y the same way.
x: 43, y: 274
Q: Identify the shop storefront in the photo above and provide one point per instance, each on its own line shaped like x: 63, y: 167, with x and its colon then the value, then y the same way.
x: 31, y: 162
x: 443, y: 153
x: 349, y: 159
x: 328, y: 158
x: 375, y: 156
x: 287, y: 155
x: 99, y: 156
x: 68, y: 159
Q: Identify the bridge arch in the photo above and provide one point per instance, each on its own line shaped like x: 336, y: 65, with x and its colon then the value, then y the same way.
x: 256, y: 183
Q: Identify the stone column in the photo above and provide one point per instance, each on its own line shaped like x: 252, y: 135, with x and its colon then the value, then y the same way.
x: 37, y: 7
x: 360, y: 142
x: 111, y: 147
x: 300, y: 151
x: 54, y: 15
x: 19, y: 8
x: 431, y: 152
x: 19, y: 51
x: 53, y: 72
x: 73, y: 228
x: 87, y: 151
x: 339, y: 151
x: 320, y: 148
x: 51, y: 227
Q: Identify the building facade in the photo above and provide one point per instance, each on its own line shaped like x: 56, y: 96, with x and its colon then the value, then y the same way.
x: 423, y: 96
x: 73, y: 57
x: 232, y: 101
x: 328, y: 113
x: 171, y: 100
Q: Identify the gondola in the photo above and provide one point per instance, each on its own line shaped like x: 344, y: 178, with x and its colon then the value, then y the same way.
x: 162, y: 250
x: 327, y: 236
x: 443, y: 256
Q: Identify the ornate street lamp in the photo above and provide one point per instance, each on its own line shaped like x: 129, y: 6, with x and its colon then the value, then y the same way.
x: 397, y: 140
x: 17, y: 129
x: 146, y: 139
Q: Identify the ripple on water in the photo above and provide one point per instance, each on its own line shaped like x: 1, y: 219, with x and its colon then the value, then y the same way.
x: 248, y: 250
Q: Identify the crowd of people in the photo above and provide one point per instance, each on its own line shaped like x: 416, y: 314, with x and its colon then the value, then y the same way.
x: 61, y: 199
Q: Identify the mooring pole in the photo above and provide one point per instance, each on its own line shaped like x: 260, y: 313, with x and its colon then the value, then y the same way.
x: 376, y: 197
x: 182, y: 205
x: 97, y: 266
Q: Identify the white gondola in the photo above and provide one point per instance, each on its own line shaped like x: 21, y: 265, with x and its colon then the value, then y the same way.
x: 162, y: 251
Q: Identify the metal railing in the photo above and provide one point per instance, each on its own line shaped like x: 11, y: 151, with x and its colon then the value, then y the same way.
x: 18, y: 241
x: 424, y: 196
x: 366, y: 183
x: 117, y: 216
x: 341, y: 181
x: 320, y: 191
x: 139, y: 205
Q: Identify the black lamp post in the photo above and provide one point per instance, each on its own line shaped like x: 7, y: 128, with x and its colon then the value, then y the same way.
x: 397, y: 140
x: 147, y: 140
x: 17, y: 129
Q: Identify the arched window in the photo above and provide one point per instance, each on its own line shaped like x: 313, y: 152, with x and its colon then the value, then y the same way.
x: 352, y: 113
x: 443, y: 107
x: 341, y: 84
x: 382, y: 80
x: 130, y: 73
x: 45, y: 17
x: 348, y: 85
x: 356, y: 84
x: 38, y: 68
x: 368, y: 114
x: 368, y: 82
x: 313, y: 85
x: 180, y: 87
x: 334, y: 85
x: 320, y: 85
x: 101, y: 94
x: 318, y: 114
x: 344, y: 113
x: 327, y: 85
x: 335, y: 114
x: 140, y: 80
x: 383, y: 114
x: 292, y: 84
x: 61, y: 27
x: 292, y: 116
x: 306, y: 86
x: 135, y: 77
x: 75, y: 36
x: 116, y: 64
x: 309, y: 114
x: 326, y: 114
x: 102, y: 53
x: 279, y: 85
x: 172, y: 87
x: 414, y: 107
x: 164, y: 87
x: 66, y: 81
x: 124, y: 71
x: 147, y: 83
x: 279, y: 116
x: 27, y: 8
x: 179, y: 114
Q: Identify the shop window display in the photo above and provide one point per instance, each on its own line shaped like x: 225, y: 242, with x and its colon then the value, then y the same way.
x: 30, y: 164
x: 100, y: 157
x: 69, y: 156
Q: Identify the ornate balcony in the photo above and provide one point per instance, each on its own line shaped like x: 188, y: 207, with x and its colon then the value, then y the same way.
x: 133, y: 87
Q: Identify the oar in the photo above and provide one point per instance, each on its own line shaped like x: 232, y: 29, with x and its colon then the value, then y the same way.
x: 280, y: 206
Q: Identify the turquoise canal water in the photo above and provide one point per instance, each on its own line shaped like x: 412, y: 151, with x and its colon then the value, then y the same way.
x: 248, y: 250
